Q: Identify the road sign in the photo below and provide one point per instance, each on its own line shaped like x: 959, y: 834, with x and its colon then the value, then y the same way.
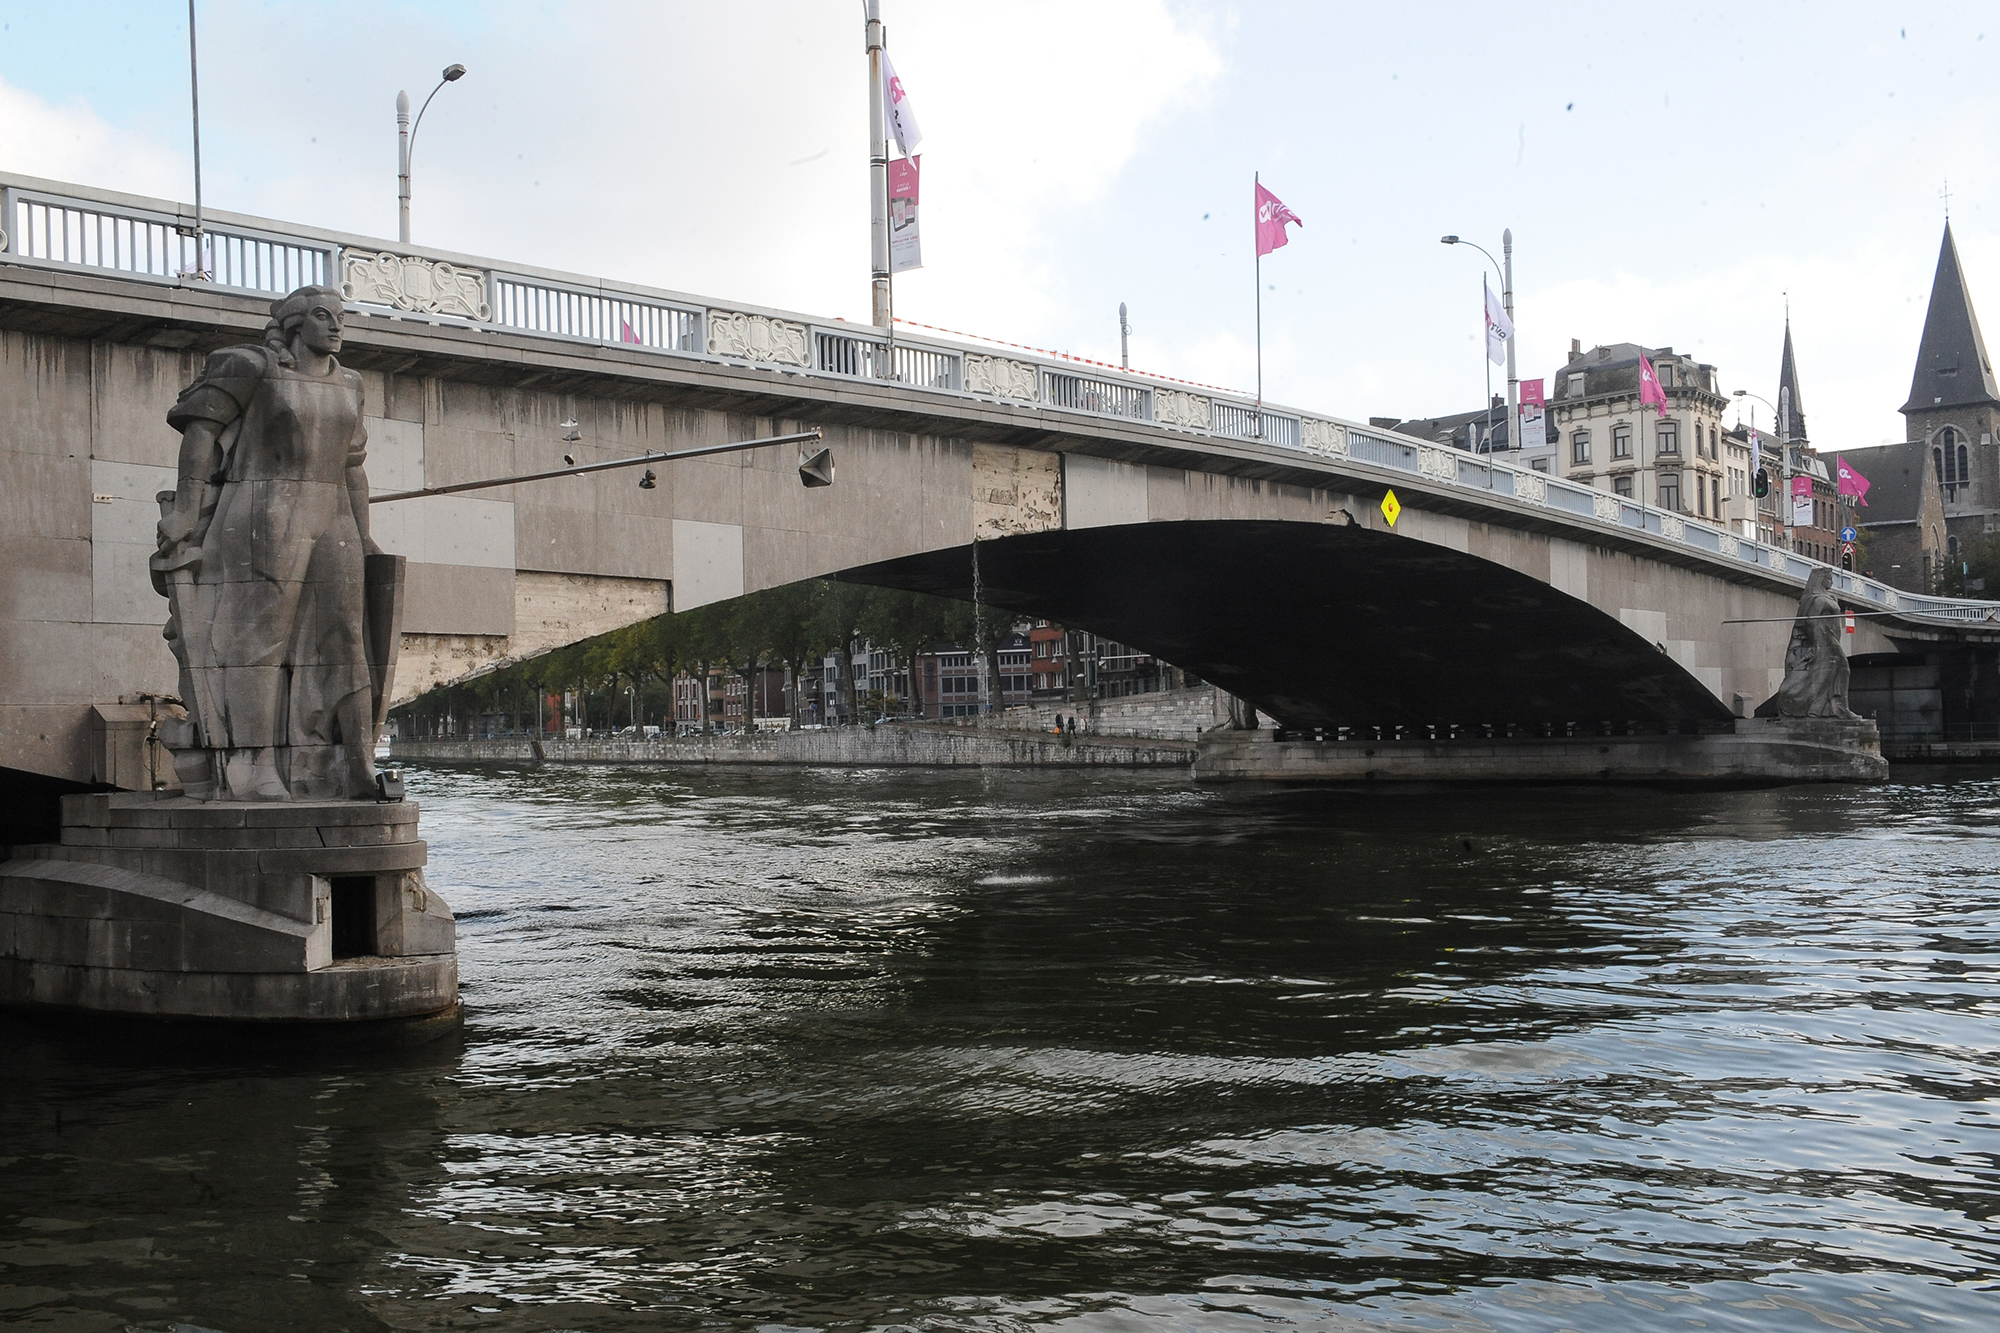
x: 1847, y: 534
x: 1847, y: 544
x: 1849, y: 625
x: 1391, y: 507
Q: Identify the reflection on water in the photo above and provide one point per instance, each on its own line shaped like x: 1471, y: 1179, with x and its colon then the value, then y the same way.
x: 996, y: 1051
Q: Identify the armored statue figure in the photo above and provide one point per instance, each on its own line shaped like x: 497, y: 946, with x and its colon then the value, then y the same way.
x: 268, y: 570
x: 1816, y: 671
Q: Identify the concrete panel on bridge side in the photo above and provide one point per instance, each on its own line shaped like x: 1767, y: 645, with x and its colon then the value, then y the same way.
x: 1099, y: 493
x: 708, y: 563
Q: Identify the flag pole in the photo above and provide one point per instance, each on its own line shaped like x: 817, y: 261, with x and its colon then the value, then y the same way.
x: 1258, y: 279
x: 878, y: 174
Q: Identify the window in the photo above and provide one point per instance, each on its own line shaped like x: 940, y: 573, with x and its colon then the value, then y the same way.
x: 1701, y: 497
x: 1621, y: 441
x: 1666, y: 375
x: 1714, y: 449
x: 1575, y: 386
x: 1539, y: 464
x: 1579, y: 447
x: 1670, y: 491
x: 1670, y: 439
x: 1622, y: 486
x: 1715, y: 495
x: 1953, y: 462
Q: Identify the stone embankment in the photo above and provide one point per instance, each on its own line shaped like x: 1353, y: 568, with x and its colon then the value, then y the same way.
x: 1156, y: 730
x: 902, y: 744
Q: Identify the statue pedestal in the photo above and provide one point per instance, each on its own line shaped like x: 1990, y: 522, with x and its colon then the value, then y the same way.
x: 294, y: 911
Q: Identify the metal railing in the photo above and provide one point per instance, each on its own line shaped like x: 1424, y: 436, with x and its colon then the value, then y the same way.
x: 1101, y: 397
x: 534, y: 305
x: 837, y: 352
x: 136, y: 243
x: 64, y: 226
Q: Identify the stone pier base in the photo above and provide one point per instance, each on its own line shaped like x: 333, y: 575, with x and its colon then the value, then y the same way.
x: 1758, y: 751
x: 301, y: 911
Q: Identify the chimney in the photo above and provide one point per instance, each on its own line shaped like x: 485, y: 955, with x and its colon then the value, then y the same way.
x: 1575, y: 348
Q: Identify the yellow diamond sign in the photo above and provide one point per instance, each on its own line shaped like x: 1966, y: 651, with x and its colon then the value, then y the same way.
x: 1391, y: 507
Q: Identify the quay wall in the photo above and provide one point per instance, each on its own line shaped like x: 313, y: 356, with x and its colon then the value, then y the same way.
x: 903, y: 744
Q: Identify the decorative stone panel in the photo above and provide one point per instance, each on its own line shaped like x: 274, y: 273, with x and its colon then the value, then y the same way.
x: 1728, y: 542
x: 409, y: 283
x: 1323, y: 437
x: 1014, y: 491
x: 1001, y: 377
x: 1180, y: 409
x: 1531, y: 487
x: 1437, y: 464
x: 1672, y: 528
x: 742, y: 337
x: 1605, y: 507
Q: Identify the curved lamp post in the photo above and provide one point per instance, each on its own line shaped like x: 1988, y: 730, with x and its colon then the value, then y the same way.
x: 1506, y: 275
x: 406, y: 135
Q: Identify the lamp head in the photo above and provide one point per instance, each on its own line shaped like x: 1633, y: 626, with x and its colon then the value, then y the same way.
x: 1447, y: 240
x: 1738, y: 393
x: 817, y: 470
x: 453, y: 73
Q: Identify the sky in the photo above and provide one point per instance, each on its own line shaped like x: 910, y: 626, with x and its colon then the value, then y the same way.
x: 1672, y: 176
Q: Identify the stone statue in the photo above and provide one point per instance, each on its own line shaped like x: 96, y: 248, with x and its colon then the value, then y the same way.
x: 1816, y: 671
x: 282, y: 612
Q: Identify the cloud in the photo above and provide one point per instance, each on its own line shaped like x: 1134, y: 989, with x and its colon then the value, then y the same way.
x: 71, y: 143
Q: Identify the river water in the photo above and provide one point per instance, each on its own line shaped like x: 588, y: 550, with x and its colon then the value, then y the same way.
x: 1086, y: 1051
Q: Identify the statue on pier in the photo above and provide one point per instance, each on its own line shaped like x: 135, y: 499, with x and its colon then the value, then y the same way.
x: 283, y: 613
x: 1816, y: 672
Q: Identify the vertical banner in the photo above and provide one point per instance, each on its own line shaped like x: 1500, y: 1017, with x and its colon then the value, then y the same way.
x: 905, y: 246
x: 1533, y: 432
x: 1802, y: 505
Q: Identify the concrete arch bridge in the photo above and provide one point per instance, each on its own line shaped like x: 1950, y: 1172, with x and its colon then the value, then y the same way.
x: 1245, y: 542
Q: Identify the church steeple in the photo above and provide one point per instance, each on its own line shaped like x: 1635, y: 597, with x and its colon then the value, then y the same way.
x: 1788, y: 388
x: 1953, y: 369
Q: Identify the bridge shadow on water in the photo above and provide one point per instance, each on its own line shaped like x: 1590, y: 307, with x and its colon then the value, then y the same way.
x: 838, y: 1049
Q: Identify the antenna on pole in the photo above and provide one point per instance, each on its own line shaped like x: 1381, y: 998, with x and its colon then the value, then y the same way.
x: 1945, y: 194
x: 1124, y: 338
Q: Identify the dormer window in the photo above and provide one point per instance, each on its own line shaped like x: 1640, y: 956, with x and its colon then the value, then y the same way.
x: 1666, y: 376
x: 1575, y: 386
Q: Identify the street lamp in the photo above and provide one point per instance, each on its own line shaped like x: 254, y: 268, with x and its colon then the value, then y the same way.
x: 1784, y: 455
x: 406, y: 139
x: 1506, y: 272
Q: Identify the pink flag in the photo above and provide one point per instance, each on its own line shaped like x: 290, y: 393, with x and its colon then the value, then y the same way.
x: 625, y: 334
x: 1851, y: 482
x: 1272, y: 215
x: 1649, y: 386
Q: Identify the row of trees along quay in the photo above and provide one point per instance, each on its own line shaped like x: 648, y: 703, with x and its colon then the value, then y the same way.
x: 626, y: 677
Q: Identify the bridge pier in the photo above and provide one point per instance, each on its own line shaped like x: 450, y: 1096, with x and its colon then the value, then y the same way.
x: 288, y: 912
x: 1756, y: 751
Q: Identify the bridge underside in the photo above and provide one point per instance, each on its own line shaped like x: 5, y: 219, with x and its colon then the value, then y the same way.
x: 1322, y: 625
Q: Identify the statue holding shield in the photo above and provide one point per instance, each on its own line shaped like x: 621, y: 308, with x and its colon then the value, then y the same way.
x: 283, y: 613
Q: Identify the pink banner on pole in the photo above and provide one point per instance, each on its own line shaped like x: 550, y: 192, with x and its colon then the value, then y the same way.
x: 1649, y: 386
x: 905, y: 241
x: 1272, y: 215
x: 1852, y: 482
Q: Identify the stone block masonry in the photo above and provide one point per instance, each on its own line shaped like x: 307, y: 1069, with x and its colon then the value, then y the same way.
x: 290, y: 911
x: 896, y: 745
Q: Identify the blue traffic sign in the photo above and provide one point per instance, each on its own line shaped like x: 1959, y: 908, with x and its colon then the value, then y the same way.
x: 1847, y: 534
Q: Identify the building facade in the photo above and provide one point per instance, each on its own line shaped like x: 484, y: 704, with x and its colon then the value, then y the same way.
x: 1608, y: 441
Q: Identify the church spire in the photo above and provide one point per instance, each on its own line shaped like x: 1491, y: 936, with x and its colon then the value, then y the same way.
x: 1953, y: 369
x: 1788, y: 388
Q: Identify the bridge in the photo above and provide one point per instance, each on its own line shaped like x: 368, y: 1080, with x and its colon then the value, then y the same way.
x: 1246, y: 542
